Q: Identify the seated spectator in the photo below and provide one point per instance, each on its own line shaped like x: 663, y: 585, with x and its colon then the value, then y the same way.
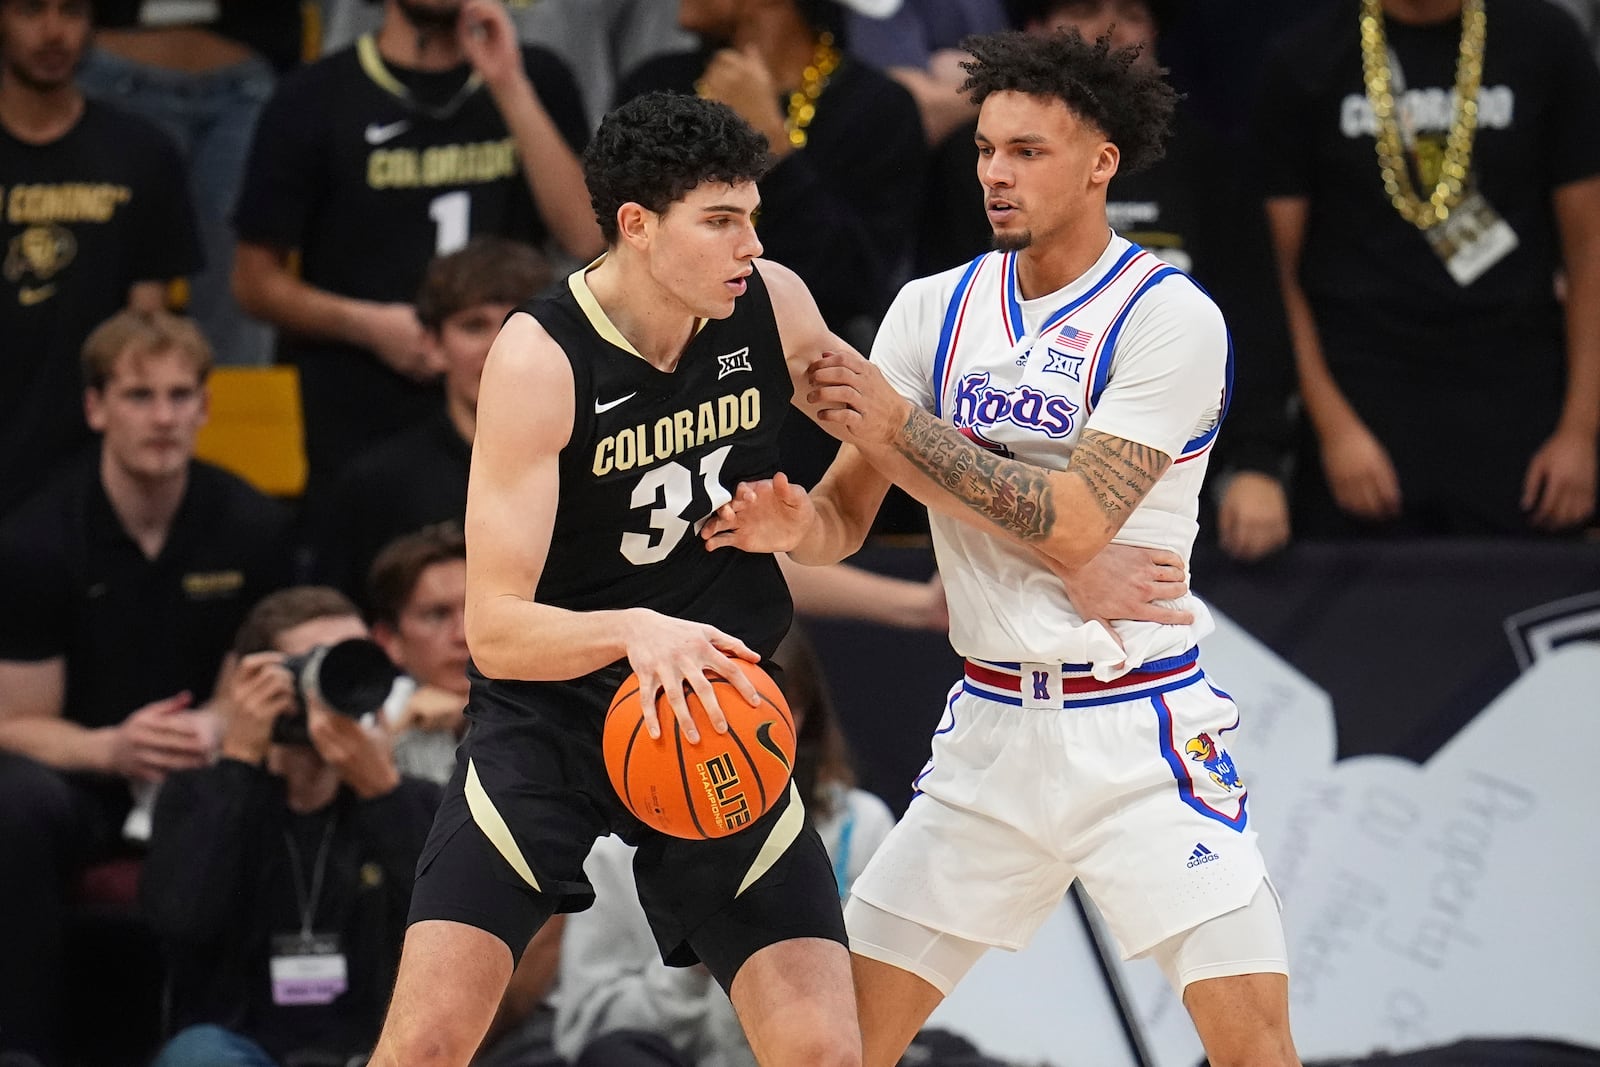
x: 96, y: 218
x: 418, y: 592
x: 419, y: 477
x: 279, y: 877
x: 121, y: 581
x: 1189, y: 208
x: 367, y: 165
x: 620, y: 1005
x: 201, y: 72
x: 840, y: 204
x: 1428, y: 171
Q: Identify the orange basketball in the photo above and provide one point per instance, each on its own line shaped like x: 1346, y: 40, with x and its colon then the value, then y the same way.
x: 715, y: 787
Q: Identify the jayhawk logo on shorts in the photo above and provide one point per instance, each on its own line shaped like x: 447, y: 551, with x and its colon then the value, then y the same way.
x: 1215, y: 760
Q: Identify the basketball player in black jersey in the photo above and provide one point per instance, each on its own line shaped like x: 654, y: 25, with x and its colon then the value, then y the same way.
x: 613, y: 419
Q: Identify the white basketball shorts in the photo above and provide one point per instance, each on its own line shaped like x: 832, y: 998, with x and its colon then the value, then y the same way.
x: 1040, y: 774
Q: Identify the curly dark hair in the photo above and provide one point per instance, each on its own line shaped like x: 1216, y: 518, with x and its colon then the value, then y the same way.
x: 1131, y: 104
x: 655, y: 148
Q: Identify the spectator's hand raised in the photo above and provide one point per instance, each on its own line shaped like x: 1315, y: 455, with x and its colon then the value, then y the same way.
x: 489, y: 41
x: 157, y: 739
x: 1559, y: 488
x: 394, y: 334
x: 740, y: 79
x: 255, y: 692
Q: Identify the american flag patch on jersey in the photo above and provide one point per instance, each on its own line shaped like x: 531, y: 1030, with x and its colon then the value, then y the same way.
x: 1077, y: 340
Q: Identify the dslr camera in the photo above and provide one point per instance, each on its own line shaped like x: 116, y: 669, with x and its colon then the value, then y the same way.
x: 353, y: 677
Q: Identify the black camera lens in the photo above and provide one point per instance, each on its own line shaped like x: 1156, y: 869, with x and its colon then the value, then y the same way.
x: 352, y: 677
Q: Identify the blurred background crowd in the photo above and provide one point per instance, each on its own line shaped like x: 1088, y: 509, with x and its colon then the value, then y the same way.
x: 254, y: 255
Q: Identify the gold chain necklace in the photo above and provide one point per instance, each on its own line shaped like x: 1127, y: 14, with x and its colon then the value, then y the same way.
x: 814, y: 79
x: 1457, y: 159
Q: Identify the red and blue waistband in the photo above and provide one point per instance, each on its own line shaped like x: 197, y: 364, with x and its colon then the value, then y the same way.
x: 1007, y: 683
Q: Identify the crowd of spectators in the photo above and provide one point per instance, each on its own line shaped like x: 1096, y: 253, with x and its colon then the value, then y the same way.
x: 365, y: 189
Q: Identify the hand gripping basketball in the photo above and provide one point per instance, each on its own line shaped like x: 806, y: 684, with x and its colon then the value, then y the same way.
x: 708, y: 788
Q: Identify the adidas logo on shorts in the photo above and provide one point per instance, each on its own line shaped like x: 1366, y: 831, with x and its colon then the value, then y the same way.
x: 1200, y: 855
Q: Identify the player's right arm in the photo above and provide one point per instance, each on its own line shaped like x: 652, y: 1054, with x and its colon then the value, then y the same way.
x: 525, y: 418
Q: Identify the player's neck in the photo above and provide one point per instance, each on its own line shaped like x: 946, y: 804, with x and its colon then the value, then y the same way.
x: 1046, y: 267
x: 654, y: 322
x: 1421, y: 12
x: 145, y: 507
x: 784, y: 40
x: 404, y: 44
x: 38, y: 116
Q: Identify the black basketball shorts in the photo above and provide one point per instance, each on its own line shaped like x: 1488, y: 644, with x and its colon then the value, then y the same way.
x: 529, y: 797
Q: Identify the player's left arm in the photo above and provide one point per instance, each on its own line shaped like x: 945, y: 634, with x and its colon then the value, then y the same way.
x: 1559, y: 489
x: 847, y: 498
x: 552, y: 170
x: 1170, y: 366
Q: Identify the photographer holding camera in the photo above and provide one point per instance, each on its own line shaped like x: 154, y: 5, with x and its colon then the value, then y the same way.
x: 278, y: 879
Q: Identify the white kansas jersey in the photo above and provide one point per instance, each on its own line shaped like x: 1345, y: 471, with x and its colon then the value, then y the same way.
x: 1133, y: 348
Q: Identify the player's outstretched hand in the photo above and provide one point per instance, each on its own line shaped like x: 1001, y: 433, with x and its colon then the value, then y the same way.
x: 771, y: 515
x: 854, y: 401
x: 670, y: 654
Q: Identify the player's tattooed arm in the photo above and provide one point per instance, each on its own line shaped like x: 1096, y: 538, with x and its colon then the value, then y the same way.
x: 1119, y: 473
x: 1014, y: 496
x: 1023, y: 500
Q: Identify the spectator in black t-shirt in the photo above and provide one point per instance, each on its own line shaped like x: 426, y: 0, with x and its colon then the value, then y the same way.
x: 201, y: 72
x: 419, y: 476
x: 840, y: 205
x: 1447, y: 389
x: 94, y: 216
x: 279, y: 877
x: 120, y: 583
x: 371, y: 162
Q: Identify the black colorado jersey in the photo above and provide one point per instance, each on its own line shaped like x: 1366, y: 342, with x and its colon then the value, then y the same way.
x: 371, y: 171
x: 653, y: 454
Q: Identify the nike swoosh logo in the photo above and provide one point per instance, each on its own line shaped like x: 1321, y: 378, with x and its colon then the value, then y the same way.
x: 601, y: 409
x: 764, y: 739
x: 28, y: 297
x: 377, y: 134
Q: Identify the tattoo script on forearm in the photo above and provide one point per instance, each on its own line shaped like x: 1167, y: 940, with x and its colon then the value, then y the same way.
x: 1119, y: 473
x: 1014, y: 496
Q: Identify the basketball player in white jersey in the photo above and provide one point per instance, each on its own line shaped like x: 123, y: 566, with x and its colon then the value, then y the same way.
x: 1051, y: 396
